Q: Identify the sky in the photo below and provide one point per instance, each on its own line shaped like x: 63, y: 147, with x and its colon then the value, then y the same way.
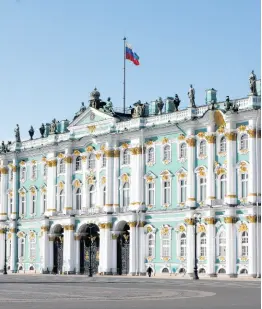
x: 54, y: 52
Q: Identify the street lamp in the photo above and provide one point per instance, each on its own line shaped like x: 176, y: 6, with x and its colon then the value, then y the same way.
x: 196, y: 220
x: 92, y: 239
x: 5, y: 269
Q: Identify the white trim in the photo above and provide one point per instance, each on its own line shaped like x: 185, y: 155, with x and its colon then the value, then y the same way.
x: 180, y: 158
x: 244, y: 150
x: 168, y: 159
x: 168, y: 238
x: 151, y: 163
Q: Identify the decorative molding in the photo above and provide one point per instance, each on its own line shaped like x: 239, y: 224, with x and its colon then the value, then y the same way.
x: 231, y: 136
x: 251, y: 218
x: 165, y: 140
x: 189, y: 221
x: 77, y: 152
x: 211, y: 139
x: 191, y: 141
x: 230, y: 220
x: 210, y: 220
x: 132, y: 224
x: 89, y: 148
x: 91, y: 129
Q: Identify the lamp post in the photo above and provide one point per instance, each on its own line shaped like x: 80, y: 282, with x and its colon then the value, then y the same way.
x: 5, y: 270
x: 92, y: 238
x: 196, y: 220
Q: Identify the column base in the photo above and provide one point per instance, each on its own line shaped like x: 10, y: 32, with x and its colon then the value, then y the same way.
x: 70, y: 272
x: 231, y: 275
x: 13, y: 271
x: 142, y: 274
x: 189, y: 275
x: 107, y: 273
x: 132, y: 274
x: 45, y: 272
x: 212, y: 275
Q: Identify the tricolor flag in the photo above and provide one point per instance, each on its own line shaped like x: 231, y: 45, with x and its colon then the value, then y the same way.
x: 132, y: 56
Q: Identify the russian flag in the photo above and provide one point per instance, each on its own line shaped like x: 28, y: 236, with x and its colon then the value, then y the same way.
x: 132, y: 56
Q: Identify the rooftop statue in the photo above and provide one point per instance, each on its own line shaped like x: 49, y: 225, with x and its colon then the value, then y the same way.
x: 3, y: 148
x: 42, y: 130
x: 138, y: 110
x: 230, y: 105
x: 31, y: 132
x: 17, y: 134
x: 53, y: 127
x: 191, y: 95
x: 252, y: 83
x: 108, y: 108
x: 176, y: 102
x: 82, y: 109
x: 160, y: 105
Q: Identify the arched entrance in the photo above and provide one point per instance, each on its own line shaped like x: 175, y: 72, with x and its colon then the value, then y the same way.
x: 123, y: 251
x: 89, y: 248
x: 58, y: 231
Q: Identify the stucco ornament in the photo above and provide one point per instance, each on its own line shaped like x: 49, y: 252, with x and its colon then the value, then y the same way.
x: 164, y: 231
x: 243, y: 227
x: 124, y: 178
x: 89, y: 149
x: 181, y: 137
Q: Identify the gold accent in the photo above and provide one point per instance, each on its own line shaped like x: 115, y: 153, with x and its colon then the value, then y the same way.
x: 191, y: 142
x: 142, y: 223
x: 164, y: 231
x: 221, y: 170
x: 68, y: 160
x: 182, y: 175
x: 77, y: 183
x: 44, y: 228
x: 181, y: 228
x: 201, y: 134
x: 165, y: 140
x: 65, y: 208
x: 251, y: 219
x: 243, y: 227
x: 221, y: 129
x: 109, y: 205
x: 33, y: 191
x: 10, y: 193
x: 211, y: 197
x: 202, y: 258
x: 243, y: 167
x: 124, y: 178
x: 109, y: 153
x: 103, y: 180
x: 232, y: 136
x: 192, y: 199
x: 89, y: 148
x: 20, y: 234
x: 211, y: 139
x: 132, y: 224
x: 51, y: 238
x: 77, y: 237
x: 22, y: 163
x: 91, y: 180
x: 43, y: 159
x: 91, y: 129
x: 61, y: 185
x: 201, y: 229
x: 149, y: 229
x: 69, y: 227
x: 231, y: 196
x: 149, y: 143
x: 251, y: 133
x: 4, y: 170
x: 83, y: 158
x: 230, y: 219
x: 33, y: 162
x: 51, y: 209
x: 222, y: 258
x: 136, y: 150
x: 210, y: 220
x: 114, y: 236
x: 60, y: 155
x: 201, y: 172
x: 32, y: 235
x: 252, y: 194
x: 189, y: 221
x: 149, y: 179
x: 116, y: 153
x: 98, y: 156
x: 12, y: 230
x: 219, y: 119
x: 3, y: 213
x: 108, y: 225
x: 103, y: 147
x: 101, y: 225
x: 77, y: 153
x: 52, y: 163
x: 125, y: 145
x: 181, y: 137
x: 2, y: 231
x: 14, y: 169
x: 242, y: 128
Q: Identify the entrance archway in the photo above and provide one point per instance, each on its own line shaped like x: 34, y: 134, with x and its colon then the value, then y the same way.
x: 58, y: 231
x: 89, y: 248
x: 123, y: 242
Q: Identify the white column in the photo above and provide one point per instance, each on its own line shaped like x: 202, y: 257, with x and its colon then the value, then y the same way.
x: 51, y: 252
x: 99, y: 199
x: 68, y: 182
x: 231, y: 198
x: 132, y: 247
x: 191, y: 194
x: 252, y: 252
x: 70, y: 248
x: 230, y: 242
x: 2, y: 249
x: 211, y: 193
x: 108, y: 249
x: 85, y: 183
x: 190, y: 245
x: 102, y: 247
x: 109, y: 180
x: 114, y: 252
x: 252, y: 169
x: 4, y: 184
x: 14, y: 210
x: 211, y: 257
x: 13, y: 261
x: 51, y: 184
x: 77, y: 253
x: 45, y: 248
x: 142, y: 249
x: 116, y: 174
x: 259, y: 165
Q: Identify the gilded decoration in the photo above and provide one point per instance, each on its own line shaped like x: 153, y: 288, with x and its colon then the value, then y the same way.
x: 68, y: 160
x: 164, y: 231
x: 124, y: 146
x: 149, y: 143
x: 10, y: 193
x: 231, y: 136
x: 166, y: 258
x: 33, y: 191
x: 243, y: 227
x: 149, y: 229
x: 201, y: 228
x: 251, y: 219
x: 90, y: 180
x: 244, y: 258
x: 98, y: 156
x: 221, y: 129
x: 242, y: 128
x: 181, y: 228
x: 132, y: 224
x: 166, y: 162
x: 101, y: 225
x: 22, y: 163
x: 229, y: 219
x: 210, y: 220
x: 201, y: 134
x: 142, y: 223
x: 165, y: 140
x: 116, y: 153
x: 12, y: 230
x: 43, y: 159
x: 103, y: 180
x: 189, y: 221
x: 181, y: 204
x: 211, y: 139
x: 191, y: 142
x: 103, y: 147
x: 221, y: 171
x: 219, y: 118
x: 77, y: 153
x: 77, y: 183
x: 91, y: 129
x: 61, y: 156
x: 251, y: 133
x: 191, y: 199
x: 9, y: 236
x: 61, y: 185
x: 2, y: 231
x: 32, y: 235
x: 243, y: 167
x: 89, y: 149
x: 14, y: 169
x: 181, y: 175
x: 20, y: 234
x: 114, y: 236
x: 201, y: 172
x: 4, y: 170
x: 44, y: 228
x: 21, y: 193
x: 108, y: 225
x: 181, y: 258
x: 136, y: 150
x: 109, y: 153
x: 33, y: 162
x: 181, y: 137
x: 77, y: 237
x: 83, y: 158
x: 222, y: 258
x: 125, y: 178
x: 69, y: 227
x: 202, y: 258
x: 149, y: 179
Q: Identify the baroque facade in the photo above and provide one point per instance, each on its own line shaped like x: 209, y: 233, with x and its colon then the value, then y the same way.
x: 124, y: 190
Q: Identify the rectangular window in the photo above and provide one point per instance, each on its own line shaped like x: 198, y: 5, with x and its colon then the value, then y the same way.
x: 151, y: 194
x: 183, y: 191
x: 167, y: 192
x: 32, y: 248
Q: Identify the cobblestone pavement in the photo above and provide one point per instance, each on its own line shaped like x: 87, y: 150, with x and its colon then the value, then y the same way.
x: 77, y: 292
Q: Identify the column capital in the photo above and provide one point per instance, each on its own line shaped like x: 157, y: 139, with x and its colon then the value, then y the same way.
x: 132, y: 224
x: 251, y: 218
x: 189, y: 221
x: 211, y: 139
x: 231, y: 136
x: 252, y: 133
x: 69, y: 227
x: 44, y: 228
x: 210, y: 220
x: 230, y: 219
x: 191, y: 141
x: 77, y: 236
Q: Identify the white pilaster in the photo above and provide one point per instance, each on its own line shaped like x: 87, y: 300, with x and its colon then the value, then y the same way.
x: 230, y: 242
x: 45, y: 246
x: 114, y: 237
x: 70, y: 247
x: 4, y: 186
x: 190, y: 244
x: 14, y: 210
x: 2, y: 248
x: 142, y: 249
x: 108, y: 249
x: 102, y: 248
x: 191, y: 194
x: 116, y: 174
x: 13, y: 261
x: 211, y: 257
x: 51, y: 252
x: 132, y: 253
x: 77, y: 253
x: 211, y: 194
x: 252, y: 250
x: 109, y: 153
x: 68, y: 206
x: 51, y: 184
x: 85, y: 205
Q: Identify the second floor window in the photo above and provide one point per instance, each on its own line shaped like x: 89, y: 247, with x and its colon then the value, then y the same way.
x: 203, y: 245
x: 183, y: 149
x: 78, y: 199
x: 92, y: 196
x: 151, y: 194
x: 202, y: 148
x: 151, y: 155
x: 244, y: 185
x: 91, y: 161
x: 103, y: 160
x: 61, y: 200
x: 167, y: 191
x: 167, y: 153
x: 23, y: 205
x: 183, y: 186
x: 33, y: 204
x: 126, y: 157
x: 126, y: 194
x: 23, y: 173
x: 62, y: 166
x: 222, y: 244
x: 183, y: 245
x: 203, y: 188
x: 244, y: 244
x: 244, y: 142
x: 78, y: 163
x: 223, y: 186
x: 34, y: 171
x: 223, y: 144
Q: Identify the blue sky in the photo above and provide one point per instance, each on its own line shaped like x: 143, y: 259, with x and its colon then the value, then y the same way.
x: 54, y: 52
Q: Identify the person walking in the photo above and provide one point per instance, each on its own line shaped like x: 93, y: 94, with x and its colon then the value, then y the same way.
x: 149, y: 270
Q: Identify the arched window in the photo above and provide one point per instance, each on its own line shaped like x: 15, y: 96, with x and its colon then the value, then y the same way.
x: 244, y: 271
x: 104, y: 195
x: 92, y: 199
x: 151, y: 245
x: 167, y: 192
x: 10, y: 204
x: 244, y: 142
x: 33, y: 203
x: 203, y: 189
x: 151, y: 193
x: 32, y: 247
x: 183, y: 245
x: 167, y: 153
x: 223, y: 186
x: 45, y: 170
x: 244, y: 185
x: 165, y: 270
x: 34, y: 171
x: 202, y: 148
x: 62, y: 166
x: 222, y: 244
x: 183, y: 189
x: 244, y: 243
x: 202, y: 271
x: 23, y: 205
x: 222, y: 271
x: 61, y: 200
x: 78, y: 199
x: 44, y: 203
x: 126, y: 157
x: 166, y: 246
x: 203, y: 244
x: 126, y: 194
x: 23, y: 173
x: 151, y: 155
x: 91, y: 161
x: 223, y: 144
x: 22, y: 247
x: 183, y: 151
x: 78, y: 163
x: 103, y: 160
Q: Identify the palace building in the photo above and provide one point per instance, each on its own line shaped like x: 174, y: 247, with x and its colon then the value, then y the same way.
x: 121, y: 192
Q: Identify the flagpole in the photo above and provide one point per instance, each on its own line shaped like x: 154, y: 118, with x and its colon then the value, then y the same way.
x: 124, y: 83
